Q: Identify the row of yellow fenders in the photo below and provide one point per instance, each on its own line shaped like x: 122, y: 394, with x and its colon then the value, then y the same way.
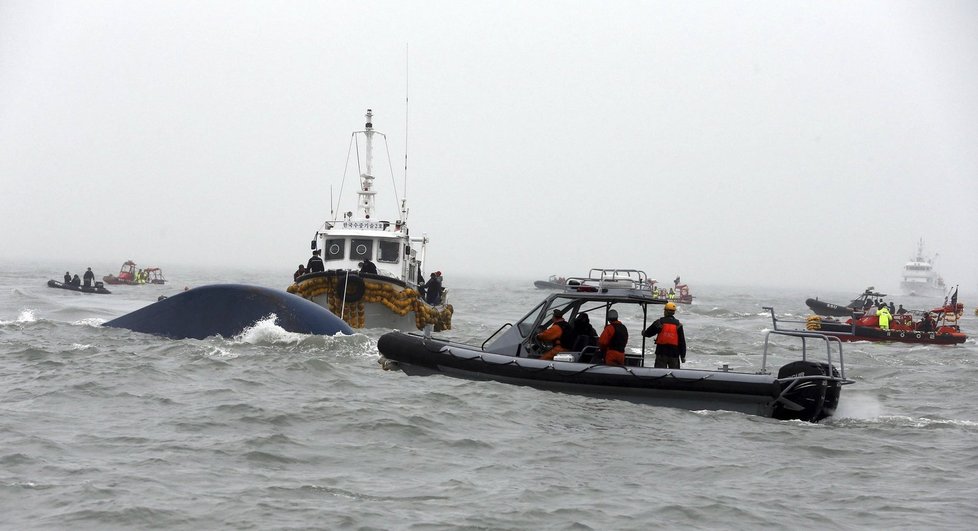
x: 398, y: 300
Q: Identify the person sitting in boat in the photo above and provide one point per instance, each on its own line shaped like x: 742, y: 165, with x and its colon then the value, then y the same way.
x: 583, y: 329
x: 368, y: 267
x: 89, y: 278
x: 670, y: 341
x: 315, y: 262
x: 613, y: 339
x: 432, y: 290
x: 926, y: 324
x: 560, y: 334
x: 67, y: 278
x: 75, y: 281
x: 901, y: 310
x: 298, y: 273
x: 883, y: 313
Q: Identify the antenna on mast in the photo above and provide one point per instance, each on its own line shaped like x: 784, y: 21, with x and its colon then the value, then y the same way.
x: 406, y: 108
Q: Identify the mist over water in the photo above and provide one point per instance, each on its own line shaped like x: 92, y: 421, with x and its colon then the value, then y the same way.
x: 106, y: 428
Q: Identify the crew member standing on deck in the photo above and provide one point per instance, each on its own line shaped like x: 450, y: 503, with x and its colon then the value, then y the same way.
x: 89, y: 278
x: 315, y: 263
x: 432, y: 290
x: 670, y: 341
x: 368, y: 267
x: 884, y: 316
x: 613, y: 339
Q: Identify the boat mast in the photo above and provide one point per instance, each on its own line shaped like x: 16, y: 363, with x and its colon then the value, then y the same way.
x: 366, y: 191
x: 404, y: 209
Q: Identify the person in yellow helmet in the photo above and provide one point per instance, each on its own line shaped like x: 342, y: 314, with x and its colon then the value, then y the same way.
x: 670, y: 343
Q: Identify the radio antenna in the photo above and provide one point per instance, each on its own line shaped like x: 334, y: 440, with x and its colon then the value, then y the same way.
x: 406, y: 108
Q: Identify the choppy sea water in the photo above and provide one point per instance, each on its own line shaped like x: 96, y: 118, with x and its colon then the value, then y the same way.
x: 104, y: 428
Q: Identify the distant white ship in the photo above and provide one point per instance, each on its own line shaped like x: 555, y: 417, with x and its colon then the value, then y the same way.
x: 919, y: 277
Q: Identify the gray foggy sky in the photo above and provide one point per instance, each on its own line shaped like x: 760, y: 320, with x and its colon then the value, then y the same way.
x: 758, y: 143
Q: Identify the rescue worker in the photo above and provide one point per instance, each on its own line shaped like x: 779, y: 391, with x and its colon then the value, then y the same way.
x: 582, y: 328
x: 613, y: 339
x: 368, y: 267
x: 315, y: 262
x: 67, y: 278
x: 89, y: 278
x: 559, y: 333
x: 901, y: 310
x: 883, y: 313
x: 432, y: 290
x: 75, y: 281
x: 926, y: 324
x: 670, y: 341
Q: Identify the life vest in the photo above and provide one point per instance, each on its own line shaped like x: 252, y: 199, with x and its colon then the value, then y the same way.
x: 669, y: 335
x: 620, y: 338
x: 567, y: 335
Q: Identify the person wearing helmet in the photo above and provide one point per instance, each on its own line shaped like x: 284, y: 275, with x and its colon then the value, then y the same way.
x: 613, y: 339
x: 670, y: 341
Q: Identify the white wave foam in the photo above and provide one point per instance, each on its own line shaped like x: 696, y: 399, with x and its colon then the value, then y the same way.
x: 266, y: 331
x: 218, y: 352
x: 923, y: 422
x: 90, y: 321
x: 25, y: 316
x: 862, y: 407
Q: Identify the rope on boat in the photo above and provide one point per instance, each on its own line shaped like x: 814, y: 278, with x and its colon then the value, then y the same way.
x: 400, y: 301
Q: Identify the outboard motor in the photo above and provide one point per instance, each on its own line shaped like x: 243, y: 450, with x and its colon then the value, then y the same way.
x: 807, y: 399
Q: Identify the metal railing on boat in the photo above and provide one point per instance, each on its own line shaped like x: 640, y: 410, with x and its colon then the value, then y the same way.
x: 804, y: 335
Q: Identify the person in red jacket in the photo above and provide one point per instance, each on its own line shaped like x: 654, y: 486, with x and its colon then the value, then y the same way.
x: 613, y: 339
x: 670, y: 345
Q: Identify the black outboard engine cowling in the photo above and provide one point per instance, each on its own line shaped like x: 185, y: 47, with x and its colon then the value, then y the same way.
x: 807, y: 399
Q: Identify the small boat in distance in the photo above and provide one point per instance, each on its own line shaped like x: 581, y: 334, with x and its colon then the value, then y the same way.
x: 554, y: 282
x: 919, y: 277
x: 867, y: 299
x: 804, y: 389
x: 940, y: 328
x: 98, y: 288
x: 387, y: 295
x: 130, y: 275
x: 678, y: 293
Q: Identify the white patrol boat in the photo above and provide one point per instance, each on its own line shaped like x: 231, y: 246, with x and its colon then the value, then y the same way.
x: 919, y: 277
x: 804, y: 389
x: 389, y: 298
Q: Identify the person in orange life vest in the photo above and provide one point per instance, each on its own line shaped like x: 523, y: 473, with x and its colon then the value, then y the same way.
x: 670, y: 345
x: 559, y: 333
x: 613, y: 339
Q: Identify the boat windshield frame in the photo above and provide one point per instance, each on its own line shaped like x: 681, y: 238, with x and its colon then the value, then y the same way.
x: 602, y: 289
